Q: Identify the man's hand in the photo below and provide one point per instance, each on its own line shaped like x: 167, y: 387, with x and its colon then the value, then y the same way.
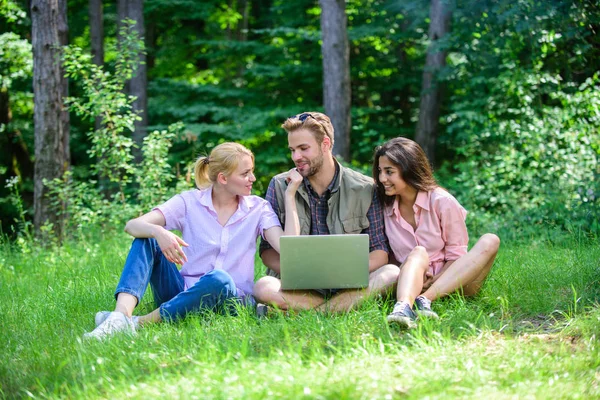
x: 293, y: 179
x: 170, y: 244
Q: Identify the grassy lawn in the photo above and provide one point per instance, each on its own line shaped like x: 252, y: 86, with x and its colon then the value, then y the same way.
x: 531, y: 333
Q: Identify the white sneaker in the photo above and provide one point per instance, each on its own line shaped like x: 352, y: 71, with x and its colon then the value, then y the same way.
x: 102, y: 315
x: 115, y: 322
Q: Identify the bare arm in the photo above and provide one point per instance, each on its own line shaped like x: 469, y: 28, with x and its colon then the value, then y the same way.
x: 151, y: 225
x: 271, y: 259
x: 292, y: 224
x: 377, y: 259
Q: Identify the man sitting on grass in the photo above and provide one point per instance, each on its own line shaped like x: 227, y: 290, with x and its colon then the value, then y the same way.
x: 320, y: 211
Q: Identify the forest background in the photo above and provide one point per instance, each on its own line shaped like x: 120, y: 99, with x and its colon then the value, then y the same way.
x: 504, y: 94
x: 516, y: 140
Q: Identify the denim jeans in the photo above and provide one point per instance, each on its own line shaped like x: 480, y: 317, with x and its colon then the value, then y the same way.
x: 146, y: 264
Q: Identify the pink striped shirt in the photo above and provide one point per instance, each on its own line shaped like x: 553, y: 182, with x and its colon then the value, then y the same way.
x: 441, y: 229
x: 212, y: 246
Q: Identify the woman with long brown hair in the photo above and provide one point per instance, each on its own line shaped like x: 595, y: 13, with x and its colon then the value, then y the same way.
x: 426, y: 229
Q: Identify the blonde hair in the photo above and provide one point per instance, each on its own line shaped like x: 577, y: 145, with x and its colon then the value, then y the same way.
x: 222, y: 159
x: 318, y: 123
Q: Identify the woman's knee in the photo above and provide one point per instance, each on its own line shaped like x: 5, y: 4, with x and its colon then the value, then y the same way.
x: 490, y: 243
x: 219, y: 279
x: 419, y: 257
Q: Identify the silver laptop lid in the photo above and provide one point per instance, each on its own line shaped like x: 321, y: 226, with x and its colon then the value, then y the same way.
x: 324, y: 261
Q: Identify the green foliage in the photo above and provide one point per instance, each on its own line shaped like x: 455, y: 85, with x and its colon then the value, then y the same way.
x: 11, y: 11
x: 526, y: 159
x: 240, y: 87
x: 515, y: 118
x: 16, y: 61
x: 522, y: 127
x: 24, y: 228
x: 156, y: 172
x: 16, y: 111
x: 80, y: 204
x: 103, y: 97
x: 83, y: 203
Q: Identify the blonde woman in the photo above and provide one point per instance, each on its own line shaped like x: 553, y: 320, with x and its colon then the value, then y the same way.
x: 220, y: 222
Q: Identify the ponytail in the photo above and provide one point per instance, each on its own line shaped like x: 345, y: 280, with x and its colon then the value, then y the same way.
x: 201, y: 173
x: 223, y: 159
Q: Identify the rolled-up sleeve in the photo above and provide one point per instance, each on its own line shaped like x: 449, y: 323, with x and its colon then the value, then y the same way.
x: 454, y: 228
x: 268, y: 219
x: 174, y: 211
x: 376, y: 229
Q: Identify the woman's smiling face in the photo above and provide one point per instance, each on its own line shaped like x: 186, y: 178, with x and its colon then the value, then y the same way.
x: 390, y: 177
x: 240, y: 181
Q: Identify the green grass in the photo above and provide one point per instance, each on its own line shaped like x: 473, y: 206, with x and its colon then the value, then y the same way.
x: 532, y: 332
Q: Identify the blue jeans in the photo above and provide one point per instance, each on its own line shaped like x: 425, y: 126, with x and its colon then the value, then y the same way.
x: 146, y: 264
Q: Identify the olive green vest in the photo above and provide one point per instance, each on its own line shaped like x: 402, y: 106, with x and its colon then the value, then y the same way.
x: 348, y: 204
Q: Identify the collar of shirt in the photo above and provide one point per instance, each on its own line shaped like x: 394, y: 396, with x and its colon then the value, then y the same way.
x: 421, y: 202
x: 206, y: 201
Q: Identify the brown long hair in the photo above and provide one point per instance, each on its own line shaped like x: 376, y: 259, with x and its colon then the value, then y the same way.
x: 412, y: 162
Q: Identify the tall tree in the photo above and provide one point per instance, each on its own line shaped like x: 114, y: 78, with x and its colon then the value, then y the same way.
x: 63, y: 38
x: 97, y: 37
x: 96, y: 31
x: 51, y: 159
x: 137, y: 86
x: 336, y: 73
x: 429, y: 110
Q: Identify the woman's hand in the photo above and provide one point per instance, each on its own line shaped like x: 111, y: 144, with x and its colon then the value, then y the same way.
x: 152, y: 225
x: 428, y: 281
x: 170, y: 244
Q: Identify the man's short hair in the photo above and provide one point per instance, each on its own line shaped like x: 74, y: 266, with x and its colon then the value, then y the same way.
x: 318, y: 123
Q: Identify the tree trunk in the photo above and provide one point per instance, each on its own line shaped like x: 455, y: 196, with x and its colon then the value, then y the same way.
x: 51, y: 159
x: 336, y: 73
x: 97, y: 40
x: 150, y: 44
x: 137, y: 86
x: 97, y: 31
x: 244, y: 10
x: 429, y: 110
x: 63, y: 37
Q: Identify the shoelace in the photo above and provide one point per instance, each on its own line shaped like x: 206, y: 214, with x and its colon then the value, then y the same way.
x: 110, y: 325
x: 401, y: 307
x: 425, y: 301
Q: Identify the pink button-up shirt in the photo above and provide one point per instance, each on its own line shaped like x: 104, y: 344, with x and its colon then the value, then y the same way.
x: 212, y: 246
x: 441, y: 229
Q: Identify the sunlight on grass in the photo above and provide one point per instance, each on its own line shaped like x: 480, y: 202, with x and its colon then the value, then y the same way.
x: 531, y: 332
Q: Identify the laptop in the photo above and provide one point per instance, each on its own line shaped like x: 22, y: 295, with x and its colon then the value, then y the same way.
x: 324, y: 261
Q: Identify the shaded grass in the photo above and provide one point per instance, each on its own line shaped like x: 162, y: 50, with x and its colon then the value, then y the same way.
x: 531, y: 332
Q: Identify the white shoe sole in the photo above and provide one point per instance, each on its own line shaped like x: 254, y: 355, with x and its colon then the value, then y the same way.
x: 402, y: 322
